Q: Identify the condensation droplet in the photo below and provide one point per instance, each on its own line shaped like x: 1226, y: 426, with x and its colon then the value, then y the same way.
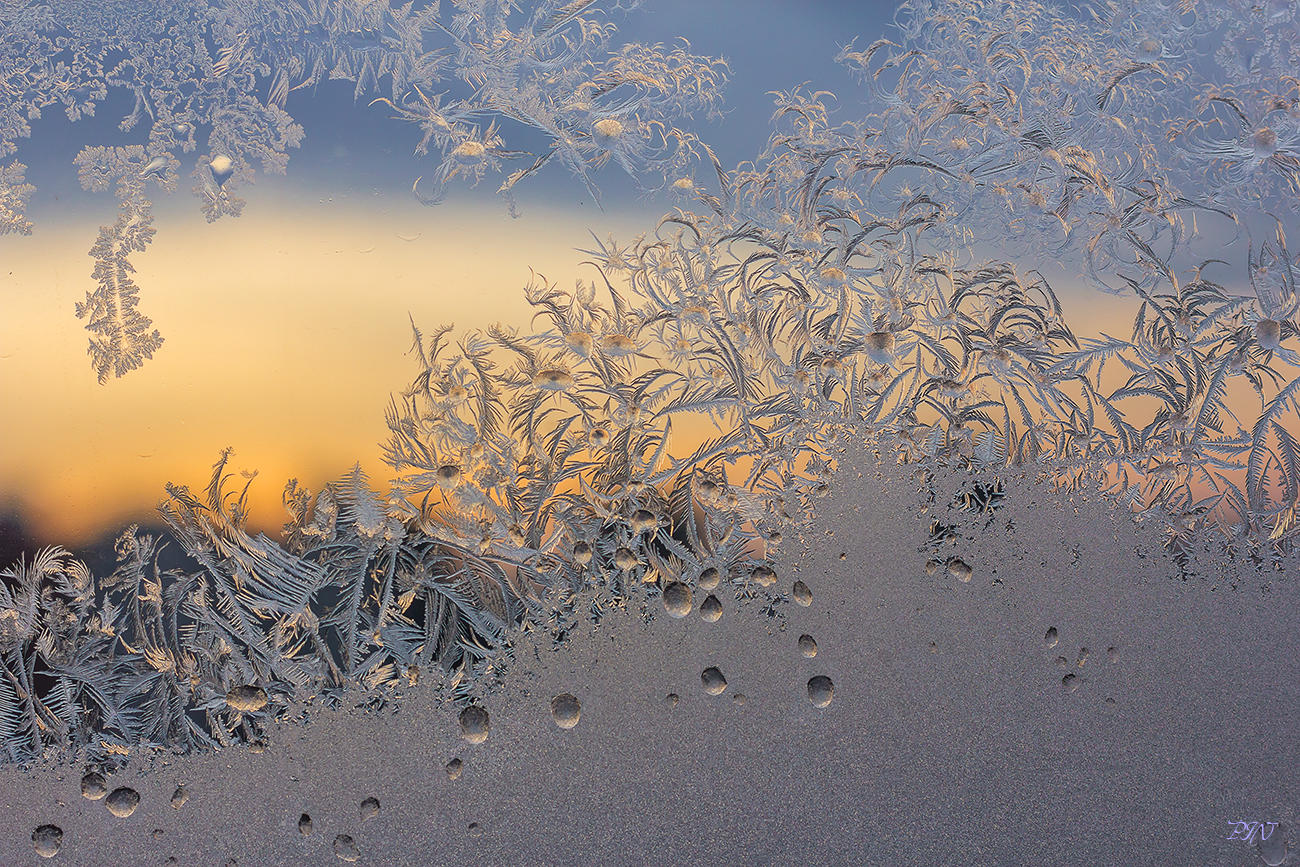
x: 222, y: 168
x: 1051, y: 637
x: 801, y: 594
x: 369, y: 809
x: 474, y: 724
x: 807, y: 646
x: 820, y: 690
x: 179, y: 797
x: 711, y: 609
x: 246, y: 699
x: 677, y: 599
x: 93, y: 786
x: 1112, y: 653
x: 713, y: 681
x: 565, y: 710
x: 475, y: 829
x: 304, y: 824
x: 454, y: 769
x: 346, y: 848
x: 121, y: 802
x: 671, y: 699
x: 959, y: 569
x: 156, y: 166
x: 764, y: 576
x: 932, y: 566
x: 1070, y: 682
x: 1273, y: 851
x: 738, y: 698
x: 709, y: 579
x: 47, y: 839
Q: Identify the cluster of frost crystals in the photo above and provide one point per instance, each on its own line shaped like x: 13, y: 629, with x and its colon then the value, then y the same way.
x: 1102, y: 134
x: 14, y: 193
x: 556, y: 72
x: 215, y: 80
x: 121, y: 336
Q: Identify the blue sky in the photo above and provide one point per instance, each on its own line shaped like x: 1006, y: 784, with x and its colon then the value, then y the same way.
x: 356, y: 149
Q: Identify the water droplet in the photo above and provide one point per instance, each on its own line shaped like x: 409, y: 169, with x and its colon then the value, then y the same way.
x: 304, y: 824
x: 764, y: 576
x: 801, y: 594
x: 475, y: 829
x: 553, y: 379
x: 346, y: 848
x: 1051, y: 637
x: 156, y: 166
x: 709, y: 579
x: 246, y: 699
x: 807, y: 646
x: 677, y: 599
x: 222, y: 168
x: 713, y: 681
x: 1149, y: 50
x: 820, y: 690
x: 122, y: 802
x: 369, y: 809
x: 1264, y: 142
x: 1112, y: 653
x: 1083, y: 656
x: 93, y: 786
x: 1273, y: 851
x: 47, y: 839
x: 643, y: 520
x: 711, y: 609
x: 565, y: 710
x: 932, y: 566
x: 448, y: 476
x: 179, y: 797
x: 738, y: 698
x: 454, y: 769
x: 1070, y: 682
x: 880, y: 347
x: 671, y: 699
x: 474, y: 724
x: 959, y: 569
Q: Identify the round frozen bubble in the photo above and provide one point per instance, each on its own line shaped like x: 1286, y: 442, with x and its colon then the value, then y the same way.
x: 47, y: 839
x: 565, y: 710
x: 711, y: 609
x: 474, y: 724
x: 93, y: 786
x: 677, y: 599
x: 121, y: 802
x: 820, y: 690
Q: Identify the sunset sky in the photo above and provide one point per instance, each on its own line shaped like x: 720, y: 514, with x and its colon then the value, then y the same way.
x: 287, y: 329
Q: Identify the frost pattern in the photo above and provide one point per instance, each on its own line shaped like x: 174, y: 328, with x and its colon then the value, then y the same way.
x: 837, y: 285
x: 221, y: 73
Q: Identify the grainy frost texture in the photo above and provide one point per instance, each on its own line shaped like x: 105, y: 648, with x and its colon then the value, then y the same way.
x: 812, y: 524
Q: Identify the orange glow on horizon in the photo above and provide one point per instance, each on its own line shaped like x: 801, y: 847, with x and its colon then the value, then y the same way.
x: 286, y: 331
